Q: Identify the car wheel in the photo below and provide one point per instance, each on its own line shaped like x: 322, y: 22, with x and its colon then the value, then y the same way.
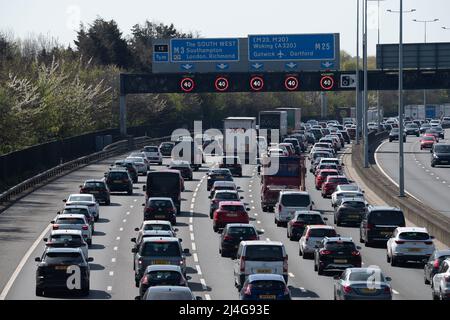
x: 300, y: 253
x: 136, y: 283
x: 130, y: 192
x: 390, y: 140
x: 108, y: 202
x: 394, y: 262
x: 279, y: 224
x: 433, y: 295
x: 320, y: 271
x: 96, y: 218
x: 39, y: 292
x: 160, y: 163
x: 432, y: 164
x: 264, y: 209
x: 388, y: 259
x: 215, y: 229
x: 425, y: 280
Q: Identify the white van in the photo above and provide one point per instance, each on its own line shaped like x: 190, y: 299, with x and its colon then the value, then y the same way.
x: 289, y: 202
x: 260, y: 256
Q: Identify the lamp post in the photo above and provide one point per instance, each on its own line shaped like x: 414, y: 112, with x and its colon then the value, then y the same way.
x: 401, y: 169
x: 425, y: 41
x: 366, y: 94
x: 358, y: 91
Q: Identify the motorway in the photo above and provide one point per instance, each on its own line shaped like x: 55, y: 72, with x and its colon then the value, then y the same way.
x: 25, y: 223
x: 429, y: 185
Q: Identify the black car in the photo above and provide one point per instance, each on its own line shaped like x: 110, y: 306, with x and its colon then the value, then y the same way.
x: 131, y: 168
x: 184, y: 168
x: 98, y: 188
x: 440, y: 131
x: 119, y: 180
x: 412, y: 129
x: 233, y: 234
x: 160, y: 209
x: 379, y: 223
x: 52, y: 272
x: 433, y: 264
x: 440, y: 154
x: 395, y: 133
x: 336, y: 254
x: 233, y: 163
x: 350, y: 212
x: 166, y: 148
x: 218, y: 175
x: 424, y: 127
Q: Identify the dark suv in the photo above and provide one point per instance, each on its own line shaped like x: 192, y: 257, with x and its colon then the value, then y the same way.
x: 440, y: 154
x: 160, y: 209
x: 336, y: 254
x: 233, y: 164
x: 379, y: 223
x: 218, y: 175
x: 131, y: 168
x: 119, y: 180
x: 98, y: 188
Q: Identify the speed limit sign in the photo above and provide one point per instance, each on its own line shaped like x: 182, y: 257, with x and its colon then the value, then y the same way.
x: 187, y: 84
x: 291, y: 83
x: 256, y: 83
x: 327, y: 82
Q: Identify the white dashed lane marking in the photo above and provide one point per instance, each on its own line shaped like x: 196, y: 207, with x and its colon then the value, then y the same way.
x: 111, y: 273
x: 113, y: 260
x: 115, y: 248
x: 195, y: 257
x: 203, y: 282
x: 121, y: 229
x: 395, y: 291
x: 199, y: 271
x: 192, y: 237
x: 118, y: 238
x: 194, y: 248
x: 291, y: 275
x: 191, y: 228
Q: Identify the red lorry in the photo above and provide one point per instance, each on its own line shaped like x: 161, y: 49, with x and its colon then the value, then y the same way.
x: 291, y: 174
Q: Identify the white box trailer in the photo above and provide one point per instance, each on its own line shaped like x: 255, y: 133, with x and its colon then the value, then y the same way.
x: 239, y: 135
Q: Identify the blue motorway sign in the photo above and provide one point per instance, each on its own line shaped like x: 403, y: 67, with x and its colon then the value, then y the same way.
x: 291, y: 47
x: 160, y: 57
x: 204, y: 50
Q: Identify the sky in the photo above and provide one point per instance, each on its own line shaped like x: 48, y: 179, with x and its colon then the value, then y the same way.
x: 232, y: 18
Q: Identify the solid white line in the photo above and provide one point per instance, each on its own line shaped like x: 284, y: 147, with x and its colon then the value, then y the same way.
x: 22, y: 263
x: 109, y: 288
x: 192, y: 237
x: 199, y: 271
x: 207, y: 297
x: 194, y: 195
x: 203, y: 282
x: 195, y: 257
x: 253, y: 208
x: 194, y: 248
x: 111, y: 273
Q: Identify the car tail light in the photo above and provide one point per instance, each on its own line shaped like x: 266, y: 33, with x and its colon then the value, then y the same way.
x: 55, y: 226
x: 347, y: 289
x: 436, y: 264
x: 254, y: 237
x: 355, y: 253
x: 285, y: 264
x: 399, y: 241
x: 370, y: 226
x: 429, y: 242
x: 144, y: 280
x: 325, y: 252
x: 84, y: 227
x: 242, y: 264
x: 248, y: 290
x: 227, y: 237
x: 387, y: 289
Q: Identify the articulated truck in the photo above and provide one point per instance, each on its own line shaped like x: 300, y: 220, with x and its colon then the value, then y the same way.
x: 239, y: 135
x: 294, y: 118
x: 273, y: 120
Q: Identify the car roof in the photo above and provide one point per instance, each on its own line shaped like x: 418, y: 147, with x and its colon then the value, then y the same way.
x: 65, y: 231
x: 81, y: 195
x: 161, y: 267
x: 344, y: 239
x: 305, y: 193
x: 162, y: 233
x: 383, y: 208
x: 165, y: 239
x: 411, y: 229
x: 160, y: 198
x: 320, y: 226
x: 94, y: 180
x: 63, y: 250
x: 76, y: 206
x: 240, y: 225
x: 310, y: 212
x: 266, y: 277
x: 71, y: 215
x: 224, y: 184
x: 179, y: 163
x: 157, y: 222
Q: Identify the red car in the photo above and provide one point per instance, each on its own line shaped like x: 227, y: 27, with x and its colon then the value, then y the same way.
x: 434, y: 135
x: 427, y: 142
x: 331, y: 183
x: 322, y: 175
x: 230, y: 212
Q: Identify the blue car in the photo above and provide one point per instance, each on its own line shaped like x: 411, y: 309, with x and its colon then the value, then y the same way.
x: 265, y: 287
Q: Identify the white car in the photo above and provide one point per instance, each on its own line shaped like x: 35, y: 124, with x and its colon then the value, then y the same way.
x: 277, y: 152
x: 312, y: 236
x: 289, y: 202
x: 349, y: 187
x: 84, y: 199
x: 140, y: 164
x: 153, y: 155
x: 332, y: 160
x: 435, y: 123
x: 337, y: 196
x: 440, y: 286
x: 223, y: 185
x: 67, y: 239
x: 74, y: 222
x: 409, y: 244
x: 141, y: 155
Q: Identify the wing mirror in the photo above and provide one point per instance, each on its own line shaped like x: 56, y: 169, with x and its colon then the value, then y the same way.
x: 325, y: 219
x: 186, y: 251
x: 358, y: 247
x: 248, y: 209
x: 175, y: 230
x: 37, y: 259
x: 133, y: 240
x: 90, y: 259
x: 64, y: 200
x: 81, y: 186
x: 181, y: 240
x: 241, y: 198
x: 143, y: 204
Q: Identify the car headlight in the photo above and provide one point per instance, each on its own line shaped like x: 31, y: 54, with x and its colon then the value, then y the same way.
x: 435, y: 156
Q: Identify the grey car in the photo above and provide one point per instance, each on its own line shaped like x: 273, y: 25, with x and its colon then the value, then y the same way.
x: 169, y: 293
x: 158, y: 250
x: 433, y: 264
x: 362, y: 284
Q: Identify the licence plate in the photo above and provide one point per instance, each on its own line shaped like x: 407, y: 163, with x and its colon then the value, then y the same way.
x: 267, y: 296
x: 220, y: 177
x: 232, y: 215
x: 117, y: 181
x: 354, y: 216
x: 414, y: 249
x: 160, y: 217
x: 386, y: 233
x: 160, y: 262
x: 368, y: 290
x: 340, y: 261
x: 92, y: 192
x: 263, y: 271
x: 61, y: 268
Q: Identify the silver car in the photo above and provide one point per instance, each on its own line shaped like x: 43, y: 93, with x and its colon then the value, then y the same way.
x: 140, y: 164
x: 169, y: 293
x: 84, y: 200
x: 362, y: 284
x: 73, y: 222
x: 67, y: 239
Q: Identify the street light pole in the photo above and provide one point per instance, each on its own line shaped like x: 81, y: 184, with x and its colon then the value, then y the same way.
x: 366, y: 95
x: 358, y: 91
x: 401, y: 162
x: 425, y: 41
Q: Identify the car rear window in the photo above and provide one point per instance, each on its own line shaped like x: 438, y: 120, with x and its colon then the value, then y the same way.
x: 226, y: 196
x: 387, y: 218
x: 366, y: 276
x: 264, y: 253
x: 338, y: 180
x: 70, y: 221
x: 268, y: 285
x: 63, y: 258
x: 354, y: 204
x: 428, y: 138
x: 164, y: 276
x: 171, y: 295
x: 161, y: 249
x: 118, y: 175
x: 328, y: 173
x: 151, y: 149
x: 321, y: 233
x: 160, y: 203
x: 414, y: 236
x: 96, y: 185
x: 340, y: 245
x: 157, y: 227
x: 295, y: 200
x: 310, y: 218
x: 80, y: 198
x: 233, y: 208
x: 244, y: 231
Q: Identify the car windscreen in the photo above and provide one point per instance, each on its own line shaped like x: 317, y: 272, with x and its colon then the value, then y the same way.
x: 243, y: 231
x: 387, y: 218
x: 157, y: 227
x: 151, y: 149
x: 369, y: 275
x: 340, y: 246
x: 442, y: 148
x: 295, y: 200
x: 321, y: 233
x: 161, y: 249
x: 80, y: 198
x: 310, y: 218
x: 160, y: 275
x: 69, y: 221
x: 226, y: 196
x: 414, y: 236
x: 224, y: 188
x: 160, y: 203
x: 264, y: 253
x: 268, y: 285
x: 63, y: 258
x: 63, y: 238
